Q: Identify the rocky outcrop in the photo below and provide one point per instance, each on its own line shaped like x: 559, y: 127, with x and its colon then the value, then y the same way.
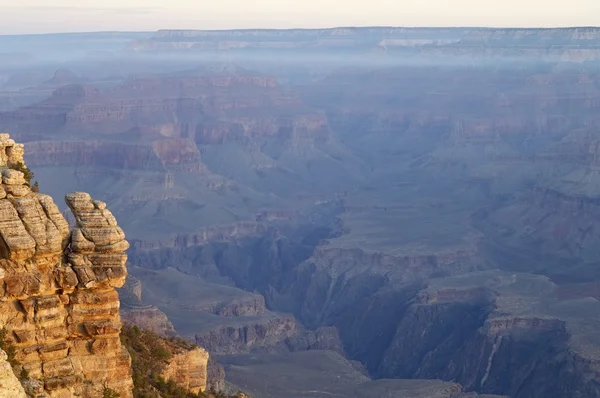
x: 11, y: 153
x: 57, y: 298
x: 157, y: 359
x: 188, y: 369
x: 10, y: 387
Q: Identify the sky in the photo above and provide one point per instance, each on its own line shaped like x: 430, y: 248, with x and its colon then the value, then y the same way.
x: 50, y: 16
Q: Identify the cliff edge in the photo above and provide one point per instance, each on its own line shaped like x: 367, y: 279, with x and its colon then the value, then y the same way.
x: 58, y: 303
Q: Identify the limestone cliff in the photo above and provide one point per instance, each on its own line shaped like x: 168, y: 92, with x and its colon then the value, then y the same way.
x: 58, y: 301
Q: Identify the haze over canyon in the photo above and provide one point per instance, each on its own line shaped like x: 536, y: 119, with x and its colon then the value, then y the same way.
x: 347, y: 212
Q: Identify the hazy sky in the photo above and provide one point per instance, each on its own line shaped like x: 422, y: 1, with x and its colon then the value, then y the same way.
x: 34, y: 16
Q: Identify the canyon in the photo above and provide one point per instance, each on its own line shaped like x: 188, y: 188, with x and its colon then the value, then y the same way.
x: 373, y: 211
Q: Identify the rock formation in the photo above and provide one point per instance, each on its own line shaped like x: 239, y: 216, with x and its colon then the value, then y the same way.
x: 10, y: 387
x: 58, y: 301
x: 11, y: 153
x: 157, y: 359
x: 188, y: 369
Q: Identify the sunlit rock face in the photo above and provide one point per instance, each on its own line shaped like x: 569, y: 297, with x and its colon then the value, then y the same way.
x: 57, y: 288
x: 9, y: 384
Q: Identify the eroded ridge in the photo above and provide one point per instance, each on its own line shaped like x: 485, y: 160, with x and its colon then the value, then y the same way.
x: 58, y: 301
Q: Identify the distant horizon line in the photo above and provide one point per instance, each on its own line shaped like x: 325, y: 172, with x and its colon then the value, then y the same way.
x: 306, y: 29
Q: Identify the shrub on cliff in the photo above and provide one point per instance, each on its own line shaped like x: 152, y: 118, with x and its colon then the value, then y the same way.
x: 27, y: 173
x: 149, y: 355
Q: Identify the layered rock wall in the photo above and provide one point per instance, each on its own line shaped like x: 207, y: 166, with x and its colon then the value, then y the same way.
x: 58, y: 301
x: 171, y: 154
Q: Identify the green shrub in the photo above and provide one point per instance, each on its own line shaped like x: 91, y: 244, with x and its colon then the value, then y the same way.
x: 28, y: 174
x: 160, y: 352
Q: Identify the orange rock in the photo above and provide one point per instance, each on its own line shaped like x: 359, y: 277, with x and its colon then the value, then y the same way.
x: 57, y: 290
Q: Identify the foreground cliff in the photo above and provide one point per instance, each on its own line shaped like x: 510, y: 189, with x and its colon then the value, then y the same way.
x: 58, y: 302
